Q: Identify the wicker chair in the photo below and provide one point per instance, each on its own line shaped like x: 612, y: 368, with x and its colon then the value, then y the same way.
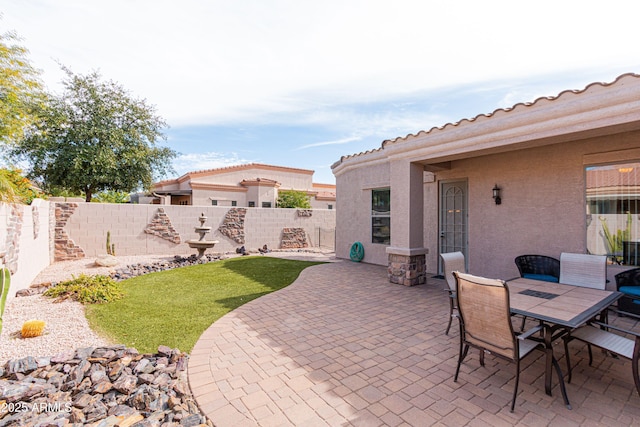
x: 594, y: 334
x: 628, y: 282
x: 538, y: 267
x: 485, y: 323
x: 452, y: 261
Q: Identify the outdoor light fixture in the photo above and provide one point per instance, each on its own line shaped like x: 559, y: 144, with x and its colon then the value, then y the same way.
x: 496, y: 194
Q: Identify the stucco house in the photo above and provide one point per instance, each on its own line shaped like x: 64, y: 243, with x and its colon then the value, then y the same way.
x: 250, y: 185
x: 544, y: 177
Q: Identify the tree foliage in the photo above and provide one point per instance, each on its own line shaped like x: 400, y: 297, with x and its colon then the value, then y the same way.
x: 15, y: 188
x: 95, y: 137
x: 20, y: 88
x: 111, y: 196
x: 293, y: 199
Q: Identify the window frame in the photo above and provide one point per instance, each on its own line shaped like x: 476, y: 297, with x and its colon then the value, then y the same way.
x: 381, y: 218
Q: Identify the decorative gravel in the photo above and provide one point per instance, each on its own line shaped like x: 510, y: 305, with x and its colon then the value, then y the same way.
x: 66, y: 325
x: 66, y: 328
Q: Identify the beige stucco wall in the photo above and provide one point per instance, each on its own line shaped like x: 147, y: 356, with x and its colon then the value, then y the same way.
x: 33, y: 250
x: 354, y: 216
x: 224, y: 198
x: 289, y: 180
x: 90, y: 222
x: 542, y: 210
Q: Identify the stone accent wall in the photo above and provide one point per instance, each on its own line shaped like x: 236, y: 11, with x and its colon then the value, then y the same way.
x: 14, y: 229
x: 161, y: 226
x: 36, y: 221
x: 293, y: 238
x: 233, y: 225
x: 65, y: 247
x: 407, y: 270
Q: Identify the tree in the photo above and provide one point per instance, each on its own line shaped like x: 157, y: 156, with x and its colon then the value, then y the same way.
x: 20, y: 89
x: 293, y: 199
x: 20, y: 92
x: 95, y: 137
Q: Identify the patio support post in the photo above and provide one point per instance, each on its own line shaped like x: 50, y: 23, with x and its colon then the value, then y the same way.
x: 406, y: 255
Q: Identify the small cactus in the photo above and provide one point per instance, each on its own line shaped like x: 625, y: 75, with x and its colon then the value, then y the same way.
x: 111, y: 247
x: 32, y: 328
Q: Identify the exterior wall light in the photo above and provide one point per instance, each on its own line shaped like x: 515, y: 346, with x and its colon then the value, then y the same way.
x: 496, y: 194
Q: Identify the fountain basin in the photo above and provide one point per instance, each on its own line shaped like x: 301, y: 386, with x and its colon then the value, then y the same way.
x: 201, y: 245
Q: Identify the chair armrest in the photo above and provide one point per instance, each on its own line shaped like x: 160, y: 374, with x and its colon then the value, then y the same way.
x: 615, y: 328
x: 527, y: 334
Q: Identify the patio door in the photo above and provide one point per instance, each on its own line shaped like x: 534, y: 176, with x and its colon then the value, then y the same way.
x: 453, y: 218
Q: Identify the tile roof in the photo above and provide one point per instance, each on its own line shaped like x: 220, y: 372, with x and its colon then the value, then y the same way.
x: 464, y: 121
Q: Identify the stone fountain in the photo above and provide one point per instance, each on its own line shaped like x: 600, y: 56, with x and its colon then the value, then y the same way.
x: 201, y: 244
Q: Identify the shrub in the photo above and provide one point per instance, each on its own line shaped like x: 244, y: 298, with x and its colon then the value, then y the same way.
x: 87, y: 290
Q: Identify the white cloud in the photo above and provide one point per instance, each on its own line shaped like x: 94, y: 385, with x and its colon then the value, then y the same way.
x: 214, y: 62
x: 203, y: 161
x: 334, y: 142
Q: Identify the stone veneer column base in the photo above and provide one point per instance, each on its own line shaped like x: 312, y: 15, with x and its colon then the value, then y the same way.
x: 407, y: 270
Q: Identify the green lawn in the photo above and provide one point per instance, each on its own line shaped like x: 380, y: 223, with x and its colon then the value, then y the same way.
x: 174, y: 307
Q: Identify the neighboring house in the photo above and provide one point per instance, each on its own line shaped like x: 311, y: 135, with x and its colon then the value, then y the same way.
x: 251, y: 185
x: 561, y: 166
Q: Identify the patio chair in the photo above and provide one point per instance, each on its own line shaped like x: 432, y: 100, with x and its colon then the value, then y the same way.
x: 588, y: 271
x: 628, y: 282
x: 538, y: 267
x: 452, y: 261
x: 485, y: 323
x: 594, y: 334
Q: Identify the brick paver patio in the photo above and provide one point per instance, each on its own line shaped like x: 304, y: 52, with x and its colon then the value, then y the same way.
x: 343, y: 346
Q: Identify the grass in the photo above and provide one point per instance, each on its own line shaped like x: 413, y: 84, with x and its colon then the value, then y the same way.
x: 175, y: 307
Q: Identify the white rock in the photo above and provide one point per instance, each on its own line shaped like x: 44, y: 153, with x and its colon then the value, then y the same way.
x: 106, y: 261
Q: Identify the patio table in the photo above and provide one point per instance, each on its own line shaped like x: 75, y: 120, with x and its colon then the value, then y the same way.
x: 561, y: 308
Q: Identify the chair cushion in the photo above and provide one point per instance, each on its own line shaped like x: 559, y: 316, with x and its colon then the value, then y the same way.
x: 630, y: 290
x: 544, y: 277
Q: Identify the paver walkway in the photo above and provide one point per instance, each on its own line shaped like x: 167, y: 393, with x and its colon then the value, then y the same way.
x: 342, y: 346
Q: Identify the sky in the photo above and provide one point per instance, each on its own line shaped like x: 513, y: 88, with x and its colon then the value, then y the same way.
x: 300, y: 83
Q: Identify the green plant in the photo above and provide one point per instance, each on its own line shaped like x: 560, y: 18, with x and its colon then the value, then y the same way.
x: 111, y: 247
x: 293, y: 199
x: 5, y: 283
x: 87, y: 289
x: 614, y: 241
x: 15, y: 188
x: 111, y: 196
x: 174, y: 307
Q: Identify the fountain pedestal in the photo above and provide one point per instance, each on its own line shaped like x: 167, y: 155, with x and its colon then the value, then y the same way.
x: 202, y: 244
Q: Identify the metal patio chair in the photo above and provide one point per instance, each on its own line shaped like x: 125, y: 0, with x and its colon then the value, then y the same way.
x: 452, y: 261
x: 599, y: 334
x: 485, y: 323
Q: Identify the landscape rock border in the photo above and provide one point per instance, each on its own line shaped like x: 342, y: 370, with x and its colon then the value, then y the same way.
x: 104, y: 386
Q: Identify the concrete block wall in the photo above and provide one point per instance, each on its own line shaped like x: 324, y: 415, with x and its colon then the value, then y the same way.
x: 88, y: 227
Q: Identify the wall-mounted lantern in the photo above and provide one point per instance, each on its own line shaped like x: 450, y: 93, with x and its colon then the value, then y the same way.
x: 496, y: 194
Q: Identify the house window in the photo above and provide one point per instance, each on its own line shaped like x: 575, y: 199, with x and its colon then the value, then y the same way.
x: 381, y: 216
x: 234, y: 203
x: 214, y: 203
x: 330, y: 207
x: 252, y: 204
x: 613, y: 205
x: 266, y: 204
